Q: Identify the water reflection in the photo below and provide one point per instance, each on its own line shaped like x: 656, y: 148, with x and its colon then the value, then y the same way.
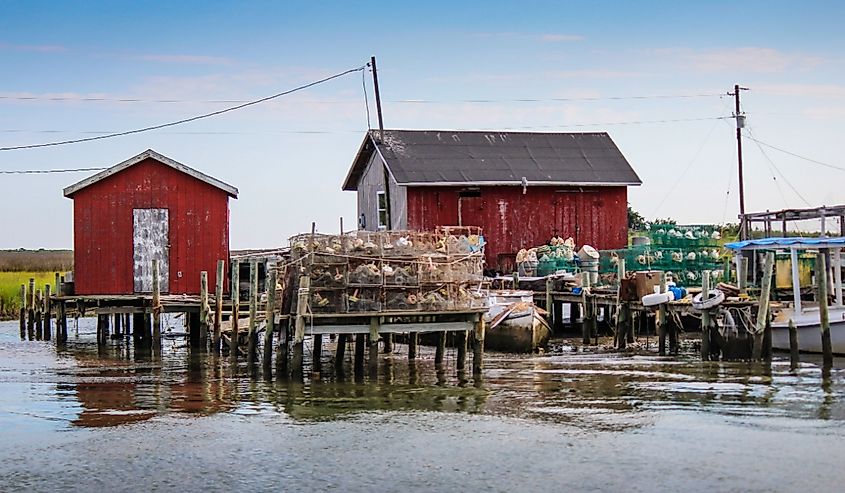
x: 116, y: 385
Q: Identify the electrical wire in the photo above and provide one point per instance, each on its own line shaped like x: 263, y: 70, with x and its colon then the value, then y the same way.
x: 47, y: 171
x: 398, y: 101
x: 751, y: 133
x: 826, y: 165
x: 186, y: 120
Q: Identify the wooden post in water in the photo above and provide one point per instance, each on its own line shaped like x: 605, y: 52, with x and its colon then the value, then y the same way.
x: 550, y: 309
x: 204, y: 308
x: 388, y: 343
x: 478, y: 347
x: 462, y: 350
x: 624, y: 313
x: 236, y: 308
x: 102, y: 328
x: 23, y: 312
x: 269, y: 313
x: 282, y: 349
x: 375, y: 326
x: 359, y: 355
x: 317, y: 353
x: 413, y: 341
x: 218, y: 305
x: 48, y: 313
x: 30, y: 308
x: 253, y: 313
x: 340, y: 353
x: 763, y: 306
x: 39, y: 319
x: 302, y: 299
x: 824, y: 317
x: 661, y: 319
x: 61, y: 324
x: 156, y: 305
x: 440, y: 350
x: 793, y: 345
x: 705, y: 317
x: 585, y: 324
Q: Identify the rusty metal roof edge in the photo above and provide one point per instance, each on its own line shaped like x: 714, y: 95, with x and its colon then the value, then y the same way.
x: 149, y: 153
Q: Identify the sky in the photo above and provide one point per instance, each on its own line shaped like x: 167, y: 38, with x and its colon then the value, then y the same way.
x: 655, y: 75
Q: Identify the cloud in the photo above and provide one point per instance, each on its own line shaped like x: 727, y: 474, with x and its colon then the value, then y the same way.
x: 186, y: 59
x: 555, y: 38
x: 545, y: 38
x: 33, y: 48
x: 745, y: 59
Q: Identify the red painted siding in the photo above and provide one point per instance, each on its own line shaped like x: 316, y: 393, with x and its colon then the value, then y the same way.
x: 102, y: 229
x: 512, y: 220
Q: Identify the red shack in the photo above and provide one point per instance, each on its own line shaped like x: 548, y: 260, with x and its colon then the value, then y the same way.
x: 522, y: 188
x: 148, y: 207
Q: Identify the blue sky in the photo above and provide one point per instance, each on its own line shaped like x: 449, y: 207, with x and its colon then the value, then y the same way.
x: 289, y: 157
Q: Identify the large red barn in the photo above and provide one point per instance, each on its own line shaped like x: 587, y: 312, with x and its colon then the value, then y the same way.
x: 522, y: 188
x: 148, y: 207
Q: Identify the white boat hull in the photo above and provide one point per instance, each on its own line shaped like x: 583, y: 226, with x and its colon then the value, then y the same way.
x: 809, y: 329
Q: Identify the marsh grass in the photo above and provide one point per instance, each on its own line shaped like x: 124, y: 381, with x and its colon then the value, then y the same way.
x: 36, y: 260
x: 10, y: 289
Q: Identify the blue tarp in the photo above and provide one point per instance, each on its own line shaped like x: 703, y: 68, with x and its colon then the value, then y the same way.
x: 787, y: 242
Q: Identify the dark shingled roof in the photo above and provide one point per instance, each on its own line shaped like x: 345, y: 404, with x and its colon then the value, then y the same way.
x: 444, y: 157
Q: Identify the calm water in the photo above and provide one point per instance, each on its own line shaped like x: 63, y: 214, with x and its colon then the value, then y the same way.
x: 72, y: 419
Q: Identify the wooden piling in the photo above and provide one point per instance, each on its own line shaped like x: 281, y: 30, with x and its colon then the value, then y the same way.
x: 585, y: 324
x: 270, y: 315
x: 317, y: 353
x: 388, y: 343
x: 824, y: 317
x: 478, y: 347
x: 763, y: 305
x: 661, y: 319
x: 462, y: 350
x: 705, y: 317
x: 30, y: 308
x: 204, y: 309
x: 340, y: 352
x: 102, y: 328
x: 39, y: 319
x: 299, y: 328
x: 137, y: 328
x: 375, y: 326
x: 61, y: 323
x: 282, y: 350
x: 236, y: 308
x: 440, y: 350
x: 253, y: 312
x: 218, y: 305
x: 359, y: 355
x: 413, y: 341
x: 48, y: 313
x: 156, y: 305
x: 794, y: 358
x: 549, y: 303
x: 23, y: 312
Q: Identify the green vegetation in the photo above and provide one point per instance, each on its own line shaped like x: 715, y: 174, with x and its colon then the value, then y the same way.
x: 10, y: 289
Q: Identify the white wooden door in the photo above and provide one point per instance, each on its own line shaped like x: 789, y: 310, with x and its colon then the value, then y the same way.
x: 150, y: 239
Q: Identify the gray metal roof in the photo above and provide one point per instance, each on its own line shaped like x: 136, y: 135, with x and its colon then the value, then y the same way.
x: 149, y: 153
x: 445, y: 157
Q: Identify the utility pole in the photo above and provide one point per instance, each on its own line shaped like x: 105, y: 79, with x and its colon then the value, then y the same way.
x: 740, y: 124
x: 389, y: 219
x: 378, y: 99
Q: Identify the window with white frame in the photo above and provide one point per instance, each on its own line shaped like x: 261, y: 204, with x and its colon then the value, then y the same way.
x: 382, y: 210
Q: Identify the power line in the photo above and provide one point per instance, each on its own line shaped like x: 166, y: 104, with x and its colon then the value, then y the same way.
x: 46, y: 171
x: 820, y: 163
x: 397, y: 101
x: 186, y: 120
x: 778, y: 171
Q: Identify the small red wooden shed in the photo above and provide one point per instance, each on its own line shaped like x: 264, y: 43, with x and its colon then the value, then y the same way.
x: 522, y: 188
x: 148, y: 207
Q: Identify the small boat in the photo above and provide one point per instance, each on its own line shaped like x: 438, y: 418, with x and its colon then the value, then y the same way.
x: 514, y: 323
x: 804, y: 315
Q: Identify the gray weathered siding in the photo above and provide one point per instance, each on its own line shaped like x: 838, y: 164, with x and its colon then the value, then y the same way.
x: 372, y: 182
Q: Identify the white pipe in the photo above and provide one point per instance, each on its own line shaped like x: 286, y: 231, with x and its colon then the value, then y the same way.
x: 837, y: 275
x: 796, y: 280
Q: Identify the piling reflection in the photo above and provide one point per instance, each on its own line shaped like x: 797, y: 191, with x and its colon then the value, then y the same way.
x: 117, y: 384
